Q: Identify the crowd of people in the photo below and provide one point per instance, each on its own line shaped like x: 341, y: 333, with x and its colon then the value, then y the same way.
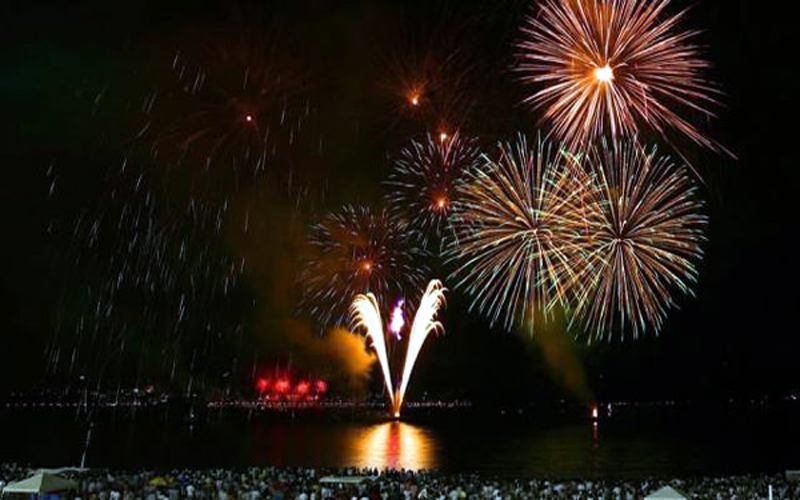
x: 274, y: 483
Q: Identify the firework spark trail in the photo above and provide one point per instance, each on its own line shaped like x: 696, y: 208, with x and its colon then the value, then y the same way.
x: 424, y: 324
x: 518, y: 228
x: 366, y: 315
x: 138, y: 262
x: 607, y: 67
x: 645, y: 230
x: 425, y: 180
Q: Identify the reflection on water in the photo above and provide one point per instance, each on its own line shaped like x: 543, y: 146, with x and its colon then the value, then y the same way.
x: 396, y: 445
x: 633, y: 446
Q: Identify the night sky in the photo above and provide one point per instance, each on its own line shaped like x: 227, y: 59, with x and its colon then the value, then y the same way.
x: 75, y: 80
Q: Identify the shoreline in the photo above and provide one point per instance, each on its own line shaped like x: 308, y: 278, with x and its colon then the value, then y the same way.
x: 668, y: 445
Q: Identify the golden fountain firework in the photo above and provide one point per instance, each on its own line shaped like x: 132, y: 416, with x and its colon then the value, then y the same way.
x: 366, y: 316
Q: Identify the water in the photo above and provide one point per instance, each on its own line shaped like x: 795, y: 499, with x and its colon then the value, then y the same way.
x: 663, y: 443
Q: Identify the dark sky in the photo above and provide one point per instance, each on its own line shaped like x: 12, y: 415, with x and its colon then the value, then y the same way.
x: 73, y: 80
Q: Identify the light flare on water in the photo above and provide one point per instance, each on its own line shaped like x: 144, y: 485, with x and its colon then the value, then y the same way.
x: 396, y: 445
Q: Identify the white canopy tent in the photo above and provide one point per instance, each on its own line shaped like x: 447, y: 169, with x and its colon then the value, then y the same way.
x: 43, y: 482
x: 666, y: 493
x: 346, y: 479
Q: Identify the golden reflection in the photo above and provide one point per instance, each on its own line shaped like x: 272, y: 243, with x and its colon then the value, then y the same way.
x: 395, y: 445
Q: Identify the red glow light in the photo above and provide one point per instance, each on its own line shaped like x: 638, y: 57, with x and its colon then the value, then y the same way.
x: 282, y: 385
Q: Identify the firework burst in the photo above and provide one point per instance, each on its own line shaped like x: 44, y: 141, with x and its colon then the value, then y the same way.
x: 355, y: 251
x: 613, y: 67
x: 424, y: 182
x: 645, y: 228
x: 428, y: 75
x: 519, y: 227
x: 234, y: 106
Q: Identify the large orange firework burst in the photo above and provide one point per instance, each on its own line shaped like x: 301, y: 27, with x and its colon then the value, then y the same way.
x: 614, y: 68
x: 644, y: 225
